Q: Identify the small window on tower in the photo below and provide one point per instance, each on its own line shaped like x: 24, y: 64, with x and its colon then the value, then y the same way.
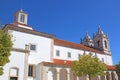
x: 98, y: 43
x: 105, y: 43
x: 22, y: 18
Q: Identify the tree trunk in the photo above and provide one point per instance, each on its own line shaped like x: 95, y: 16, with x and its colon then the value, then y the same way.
x: 89, y: 77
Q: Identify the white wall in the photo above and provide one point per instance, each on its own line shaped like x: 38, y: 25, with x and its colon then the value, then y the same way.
x: 75, y: 52
x: 109, y: 60
x: 43, y: 52
x: 65, y: 50
x: 16, y: 60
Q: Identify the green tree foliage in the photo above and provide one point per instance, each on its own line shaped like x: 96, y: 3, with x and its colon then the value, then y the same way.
x: 5, y: 48
x: 88, y: 65
x: 118, y: 70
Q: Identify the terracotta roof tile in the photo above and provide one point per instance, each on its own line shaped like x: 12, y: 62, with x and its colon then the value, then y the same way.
x: 59, y: 62
x: 109, y: 67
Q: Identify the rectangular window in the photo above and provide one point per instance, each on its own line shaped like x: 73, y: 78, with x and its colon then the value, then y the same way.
x: 95, y: 54
x: 22, y: 18
x: 98, y: 43
x: 13, y: 78
x: 14, y: 72
x: 57, y: 53
x: 69, y: 55
x: 78, y: 56
x: 91, y: 53
x: 105, y: 43
x: 103, y: 60
x: 32, y: 47
x: 31, y: 70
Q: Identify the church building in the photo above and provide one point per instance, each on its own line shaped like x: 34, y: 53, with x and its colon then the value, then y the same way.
x: 40, y: 56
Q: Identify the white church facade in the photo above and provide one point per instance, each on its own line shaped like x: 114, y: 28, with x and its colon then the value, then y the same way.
x: 41, y: 56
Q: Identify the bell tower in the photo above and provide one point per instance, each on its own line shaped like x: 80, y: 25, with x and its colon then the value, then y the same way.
x: 87, y: 41
x: 21, y: 17
x: 101, y: 41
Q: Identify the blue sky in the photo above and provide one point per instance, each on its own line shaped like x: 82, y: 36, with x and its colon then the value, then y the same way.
x: 69, y: 19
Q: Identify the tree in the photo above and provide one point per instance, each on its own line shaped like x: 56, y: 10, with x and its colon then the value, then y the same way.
x: 5, y: 48
x: 88, y: 65
x: 118, y: 70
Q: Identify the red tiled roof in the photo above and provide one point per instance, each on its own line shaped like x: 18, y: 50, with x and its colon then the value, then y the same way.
x: 109, y: 67
x: 63, y: 62
x: 58, y: 62
x: 76, y: 46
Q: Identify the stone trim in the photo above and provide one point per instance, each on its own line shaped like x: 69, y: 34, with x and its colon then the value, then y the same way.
x: 55, y: 65
x: 34, y: 70
x: 14, y: 67
x: 20, y: 50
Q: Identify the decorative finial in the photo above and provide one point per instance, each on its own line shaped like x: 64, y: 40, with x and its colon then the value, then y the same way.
x: 87, y: 33
x: 99, y: 27
x: 21, y: 10
x: 93, y: 35
x: 99, y: 30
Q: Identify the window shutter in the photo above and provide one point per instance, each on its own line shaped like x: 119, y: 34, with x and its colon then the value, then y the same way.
x: 34, y: 71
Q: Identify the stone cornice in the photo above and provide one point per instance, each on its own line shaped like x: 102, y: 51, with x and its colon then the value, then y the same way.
x: 34, y: 32
x: 20, y: 50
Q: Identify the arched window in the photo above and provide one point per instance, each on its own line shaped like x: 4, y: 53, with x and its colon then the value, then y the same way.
x: 73, y: 76
x: 98, y: 43
x: 95, y: 78
x: 113, y: 75
x: 102, y: 77
x: 63, y: 74
x: 52, y: 74
x: 107, y: 76
x: 105, y: 42
x: 22, y: 18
